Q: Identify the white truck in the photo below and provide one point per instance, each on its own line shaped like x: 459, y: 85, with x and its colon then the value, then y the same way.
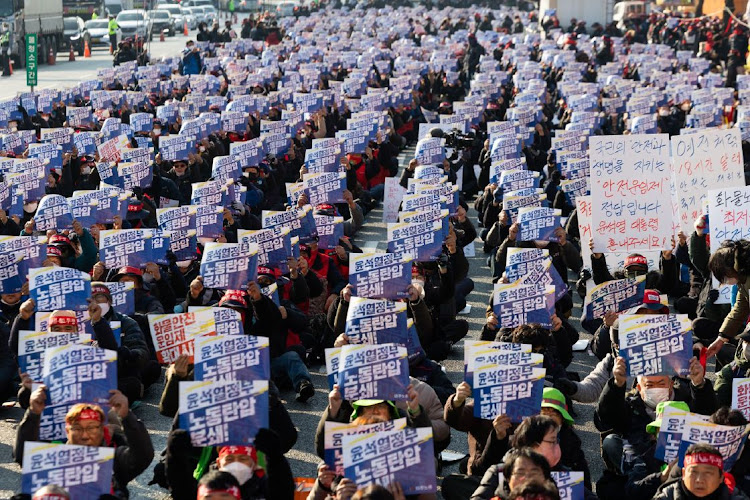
x: 591, y: 11
x: 41, y: 17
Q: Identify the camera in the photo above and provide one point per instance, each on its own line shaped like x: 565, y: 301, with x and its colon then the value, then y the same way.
x: 457, y: 140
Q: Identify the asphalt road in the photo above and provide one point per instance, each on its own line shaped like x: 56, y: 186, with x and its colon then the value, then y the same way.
x: 305, y: 416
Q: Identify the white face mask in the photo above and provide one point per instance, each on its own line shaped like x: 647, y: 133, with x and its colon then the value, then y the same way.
x: 157, y: 131
x: 541, y: 243
x: 85, y: 170
x: 241, y: 472
x: 30, y: 207
x: 105, y: 308
x: 652, y: 397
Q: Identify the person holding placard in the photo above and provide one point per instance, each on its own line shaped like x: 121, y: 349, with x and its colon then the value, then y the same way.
x: 739, y: 368
x: 87, y: 425
x: 627, y: 415
x: 730, y: 265
x: 702, y: 477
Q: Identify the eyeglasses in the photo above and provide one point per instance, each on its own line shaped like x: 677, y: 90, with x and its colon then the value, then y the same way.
x: 76, y: 429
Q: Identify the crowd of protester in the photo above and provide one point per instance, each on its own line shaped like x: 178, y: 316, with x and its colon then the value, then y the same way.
x: 506, y: 460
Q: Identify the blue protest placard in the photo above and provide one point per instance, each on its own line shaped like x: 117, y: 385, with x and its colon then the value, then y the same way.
x: 430, y: 151
x: 125, y: 247
x: 175, y: 147
x: 373, y: 372
x: 227, y: 321
x: 515, y: 391
x: 84, y: 471
x: 232, y: 357
x: 380, y: 275
x: 234, y: 121
x: 55, y: 288
x: 48, y: 151
x: 210, y: 193
x: 31, y: 347
x: 570, y: 484
x: 229, y: 266
x: 334, y: 433
x: 248, y: 152
x: 134, y: 174
x: 53, y: 213
x: 223, y: 413
x: 79, y: 374
x: 325, y: 187
x: 729, y: 440
x: 123, y: 297
x: 226, y: 168
x: 12, y: 274
x: 372, y: 321
x: 538, y: 223
x: 423, y: 240
x: 670, y: 432
x: 274, y: 245
x: 404, y: 456
x: 177, y: 218
x: 31, y: 184
x: 86, y: 143
x: 615, y: 295
x: 533, y: 265
x: 657, y: 348
x: 481, y: 356
x: 515, y: 304
x: 82, y: 117
x: 300, y: 220
x: 142, y: 122
x: 330, y: 230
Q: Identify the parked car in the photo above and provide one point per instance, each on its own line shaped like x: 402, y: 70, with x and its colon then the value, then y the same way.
x: 161, y: 21
x: 134, y: 23
x: 96, y: 32
x: 210, y: 13
x: 190, y: 17
x: 72, y: 34
x: 176, y: 13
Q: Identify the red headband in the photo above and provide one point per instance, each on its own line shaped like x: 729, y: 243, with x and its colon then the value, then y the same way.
x: 63, y: 321
x: 704, y: 459
x: 89, y: 414
x: 555, y: 402
x: 238, y: 450
x: 204, y: 491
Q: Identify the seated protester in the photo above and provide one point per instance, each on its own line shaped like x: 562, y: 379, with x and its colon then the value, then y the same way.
x: 329, y: 276
x: 664, y: 280
x: 218, y: 485
x: 85, y: 425
x: 137, y: 216
x: 627, y: 415
x: 76, y: 250
x: 261, y: 317
x: 702, y: 477
x: 563, y: 253
x: 465, y: 231
x: 739, y: 368
x: 198, y: 295
x: 519, y: 467
x: 236, y: 218
x: 741, y: 468
x: 573, y: 457
x: 483, y: 435
x: 135, y: 366
x: 463, y: 284
x: 293, y: 290
x: 342, y: 411
x: 63, y: 321
x: 254, y: 482
x: 355, y: 220
x: 146, y: 301
x: 730, y: 264
x: 541, y: 341
x: 340, y: 255
x: 647, y: 474
x: 535, y: 490
x: 590, y: 388
x: 420, y: 366
x: 541, y: 434
x: 608, y: 332
x: 710, y: 315
x: 178, y: 172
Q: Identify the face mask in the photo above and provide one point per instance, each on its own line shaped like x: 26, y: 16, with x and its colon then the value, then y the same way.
x: 157, y: 131
x: 85, y: 170
x: 541, y: 243
x: 663, y: 113
x: 30, y: 207
x: 241, y: 472
x: 148, y: 278
x: 653, y: 397
x: 105, y: 308
x: 201, y: 149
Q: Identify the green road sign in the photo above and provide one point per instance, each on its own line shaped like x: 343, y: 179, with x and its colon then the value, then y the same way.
x: 31, y: 60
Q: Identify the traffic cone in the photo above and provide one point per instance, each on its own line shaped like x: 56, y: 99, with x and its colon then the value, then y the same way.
x: 51, y: 57
x: 185, y: 30
x: 10, y: 65
x: 72, y: 54
x: 161, y: 36
x: 86, y: 49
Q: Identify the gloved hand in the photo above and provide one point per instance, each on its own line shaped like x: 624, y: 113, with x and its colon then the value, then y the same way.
x: 239, y: 207
x: 123, y: 354
x: 713, y: 296
x: 267, y: 441
x: 566, y: 386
